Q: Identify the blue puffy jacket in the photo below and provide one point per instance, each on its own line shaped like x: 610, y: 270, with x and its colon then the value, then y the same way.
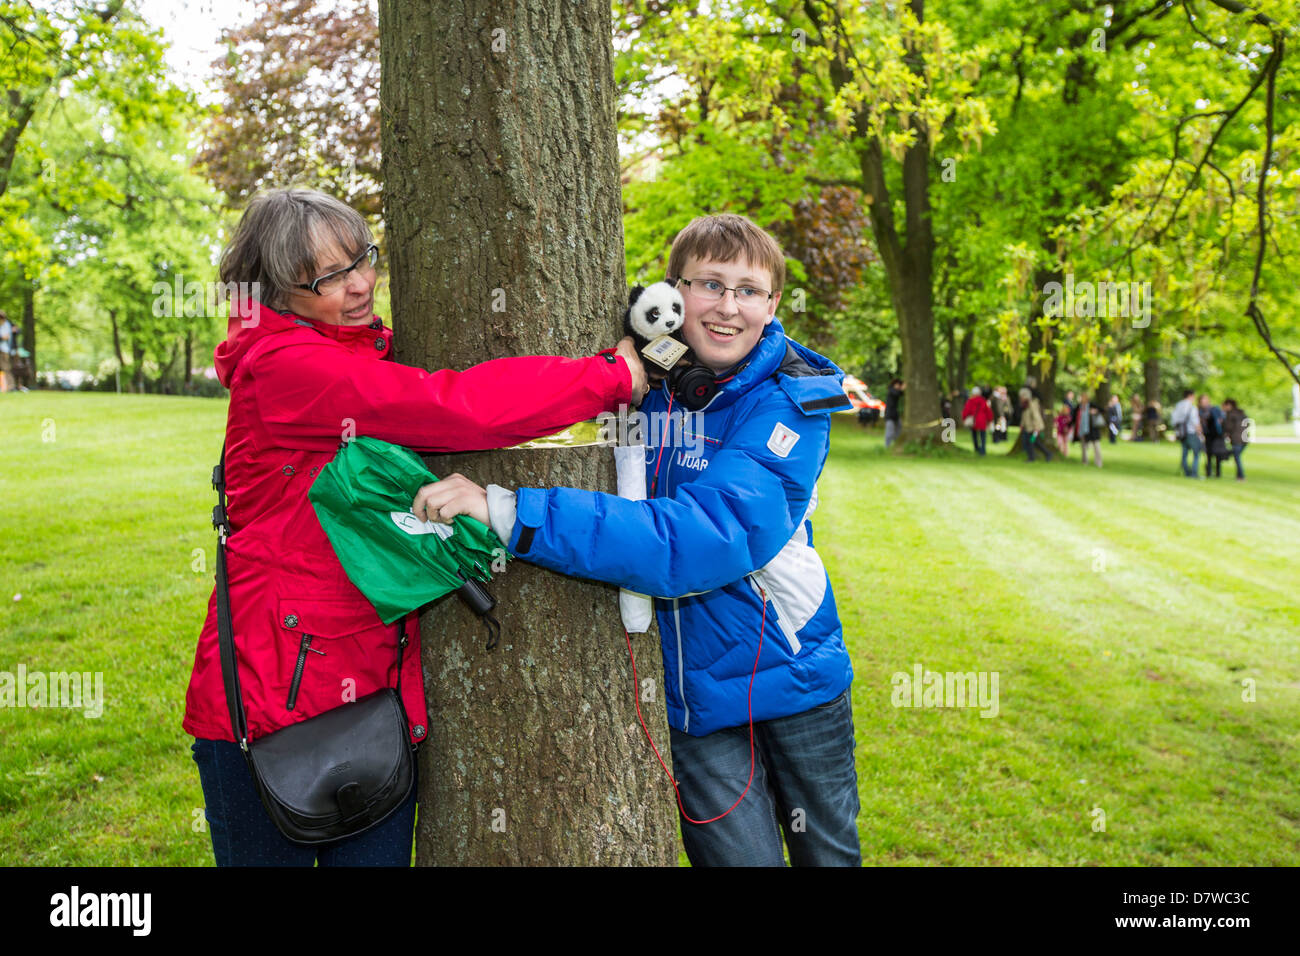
x: 721, y: 525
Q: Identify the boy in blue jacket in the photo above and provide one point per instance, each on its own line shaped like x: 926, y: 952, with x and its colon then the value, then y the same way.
x: 725, y: 544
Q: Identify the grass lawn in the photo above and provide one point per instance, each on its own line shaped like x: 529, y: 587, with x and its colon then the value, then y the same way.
x: 1126, y: 611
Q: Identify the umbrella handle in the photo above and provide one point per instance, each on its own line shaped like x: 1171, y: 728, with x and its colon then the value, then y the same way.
x: 480, y: 602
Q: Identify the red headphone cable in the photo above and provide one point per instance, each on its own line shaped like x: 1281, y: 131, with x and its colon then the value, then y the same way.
x: 636, y: 698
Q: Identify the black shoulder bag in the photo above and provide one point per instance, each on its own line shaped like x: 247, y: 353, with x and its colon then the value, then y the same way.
x: 333, y: 775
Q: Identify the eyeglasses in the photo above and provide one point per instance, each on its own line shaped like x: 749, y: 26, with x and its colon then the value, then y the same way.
x: 331, y: 282
x: 711, y: 290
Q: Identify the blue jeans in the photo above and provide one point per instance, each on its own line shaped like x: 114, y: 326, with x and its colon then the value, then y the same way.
x: 243, y: 834
x: 1236, y: 456
x: 1192, y: 443
x: 805, y: 786
x: 1030, y: 441
x: 979, y: 437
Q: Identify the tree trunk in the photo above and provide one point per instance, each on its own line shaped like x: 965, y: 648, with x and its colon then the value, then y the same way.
x: 29, y: 332
x: 908, y: 267
x: 1043, y: 373
x: 117, y: 350
x: 908, y: 258
x: 1101, y: 394
x: 189, y: 359
x: 503, y: 216
x: 137, y: 376
x: 950, y: 356
x: 1150, y: 378
x: 1150, y: 365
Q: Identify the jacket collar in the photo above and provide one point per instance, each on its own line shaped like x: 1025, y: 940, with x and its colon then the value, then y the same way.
x: 763, y: 360
x: 251, y: 321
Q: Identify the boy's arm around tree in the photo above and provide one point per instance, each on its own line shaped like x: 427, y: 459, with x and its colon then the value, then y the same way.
x: 729, y: 521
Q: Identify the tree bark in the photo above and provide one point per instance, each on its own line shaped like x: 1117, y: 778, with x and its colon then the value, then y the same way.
x: 503, y: 216
x: 908, y: 267
x: 29, y: 331
x: 1044, y: 373
x: 1151, y: 378
x: 137, y: 376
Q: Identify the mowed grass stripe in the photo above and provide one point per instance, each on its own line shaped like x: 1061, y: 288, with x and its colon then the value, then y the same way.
x: 1072, y: 703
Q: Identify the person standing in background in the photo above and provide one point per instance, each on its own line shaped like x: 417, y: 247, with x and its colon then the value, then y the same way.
x: 1085, y: 424
x: 1216, y: 449
x: 6, y: 351
x: 1234, y: 432
x: 1135, y: 415
x: 1032, y: 425
x: 1187, y: 427
x: 1062, y: 429
x: 1001, y: 413
x: 976, y: 415
x: 892, y: 412
x: 1114, y: 418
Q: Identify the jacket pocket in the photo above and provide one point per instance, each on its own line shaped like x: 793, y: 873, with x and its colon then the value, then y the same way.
x: 795, y: 584
x: 778, y: 616
x: 342, y: 652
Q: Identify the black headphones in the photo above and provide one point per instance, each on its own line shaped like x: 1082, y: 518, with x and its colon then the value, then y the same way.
x: 692, y: 386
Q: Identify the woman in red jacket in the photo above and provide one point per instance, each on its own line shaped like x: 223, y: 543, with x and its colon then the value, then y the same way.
x: 307, y: 365
x: 977, y: 415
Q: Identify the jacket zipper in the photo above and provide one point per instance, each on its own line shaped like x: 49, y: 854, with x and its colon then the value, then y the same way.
x: 303, y: 647
x: 782, y: 619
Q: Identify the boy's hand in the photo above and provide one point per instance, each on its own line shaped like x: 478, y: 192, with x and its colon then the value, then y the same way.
x: 454, y: 495
x: 640, y: 385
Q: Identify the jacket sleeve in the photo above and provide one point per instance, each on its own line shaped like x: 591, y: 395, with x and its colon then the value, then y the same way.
x: 731, y: 520
x: 311, y: 394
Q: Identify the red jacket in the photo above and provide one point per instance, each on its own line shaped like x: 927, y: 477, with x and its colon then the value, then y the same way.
x: 978, y: 407
x: 296, y: 389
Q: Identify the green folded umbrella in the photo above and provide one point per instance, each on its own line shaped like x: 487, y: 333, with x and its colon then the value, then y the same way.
x: 400, y: 562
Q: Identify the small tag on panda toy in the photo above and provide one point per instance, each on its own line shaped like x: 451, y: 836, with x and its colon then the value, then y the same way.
x: 664, y: 351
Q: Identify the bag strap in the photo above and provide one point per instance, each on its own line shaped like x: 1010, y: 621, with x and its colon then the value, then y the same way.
x: 225, y: 626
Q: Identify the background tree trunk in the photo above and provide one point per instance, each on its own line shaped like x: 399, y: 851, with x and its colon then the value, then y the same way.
x: 503, y: 215
x: 29, y: 331
x: 1151, y: 378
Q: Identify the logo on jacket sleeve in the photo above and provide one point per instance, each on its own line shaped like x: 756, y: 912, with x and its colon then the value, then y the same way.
x: 782, y: 440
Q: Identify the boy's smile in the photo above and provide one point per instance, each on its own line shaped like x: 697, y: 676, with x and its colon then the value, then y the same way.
x: 721, y: 332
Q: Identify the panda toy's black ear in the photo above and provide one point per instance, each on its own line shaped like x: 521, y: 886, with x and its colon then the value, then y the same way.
x: 634, y: 295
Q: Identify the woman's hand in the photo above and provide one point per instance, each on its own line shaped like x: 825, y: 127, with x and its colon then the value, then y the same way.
x: 454, y: 495
x: 640, y: 385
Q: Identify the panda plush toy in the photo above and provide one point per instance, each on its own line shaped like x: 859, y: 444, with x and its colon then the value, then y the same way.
x: 653, y: 314
x: 654, y: 318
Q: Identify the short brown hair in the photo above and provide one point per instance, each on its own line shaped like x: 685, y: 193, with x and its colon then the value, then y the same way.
x: 727, y: 237
x: 277, y: 240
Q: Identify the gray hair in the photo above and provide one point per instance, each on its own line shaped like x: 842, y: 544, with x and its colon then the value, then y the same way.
x: 975, y: 391
x: 279, y: 238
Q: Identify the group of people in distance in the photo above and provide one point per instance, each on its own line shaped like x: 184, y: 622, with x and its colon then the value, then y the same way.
x: 1219, y: 431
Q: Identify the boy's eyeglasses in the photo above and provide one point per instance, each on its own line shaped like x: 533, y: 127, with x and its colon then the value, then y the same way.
x: 331, y: 282
x: 711, y: 290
